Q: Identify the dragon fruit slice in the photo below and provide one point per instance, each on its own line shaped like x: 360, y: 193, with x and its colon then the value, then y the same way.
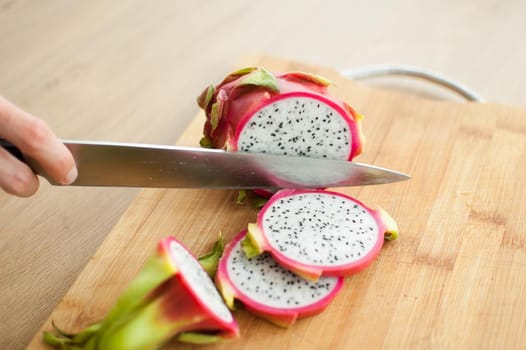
x: 172, y: 296
x: 252, y: 110
x: 317, y: 232
x: 268, y: 290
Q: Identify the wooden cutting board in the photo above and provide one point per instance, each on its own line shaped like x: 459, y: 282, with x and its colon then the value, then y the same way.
x: 456, y: 277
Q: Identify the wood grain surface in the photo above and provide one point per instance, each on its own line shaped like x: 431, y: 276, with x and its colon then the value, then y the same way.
x: 130, y: 70
x: 454, y: 279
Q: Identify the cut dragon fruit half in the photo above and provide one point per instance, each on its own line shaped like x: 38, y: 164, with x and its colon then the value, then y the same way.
x: 171, y: 297
x: 253, y: 110
x: 268, y: 290
x: 319, y: 233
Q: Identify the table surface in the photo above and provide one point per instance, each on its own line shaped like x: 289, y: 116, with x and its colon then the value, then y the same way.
x: 130, y: 71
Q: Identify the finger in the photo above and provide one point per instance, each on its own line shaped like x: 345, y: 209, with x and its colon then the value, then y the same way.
x: 16, y: 177
x: 36, y: 140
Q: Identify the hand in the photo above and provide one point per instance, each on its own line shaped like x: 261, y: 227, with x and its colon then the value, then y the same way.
x: 35, y: 139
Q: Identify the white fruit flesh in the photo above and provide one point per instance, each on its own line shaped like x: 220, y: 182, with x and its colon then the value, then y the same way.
x: 297, y: 126
x: 320, y: 229
x: 261, y: 279
x: 200, y: 282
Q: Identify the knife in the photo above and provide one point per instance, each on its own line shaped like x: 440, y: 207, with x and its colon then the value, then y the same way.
x: 147, y: 165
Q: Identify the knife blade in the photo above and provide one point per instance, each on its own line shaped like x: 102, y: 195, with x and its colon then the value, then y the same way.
x: 112, y: 164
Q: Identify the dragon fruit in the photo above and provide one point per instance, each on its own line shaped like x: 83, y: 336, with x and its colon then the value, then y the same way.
x: 268, y: 290
x: 319, y: 233
x: 171, y: 297
x: 252, y: 110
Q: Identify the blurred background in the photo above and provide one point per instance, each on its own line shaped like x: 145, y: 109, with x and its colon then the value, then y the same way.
x: 131, y: 70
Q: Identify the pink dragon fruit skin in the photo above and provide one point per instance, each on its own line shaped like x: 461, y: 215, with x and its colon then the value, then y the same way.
x: 283, y: 316
x: 172, y: 297
x: 232, y: 104
x: 180, y: 301
x: 258, y: 240
x: 184, y: 306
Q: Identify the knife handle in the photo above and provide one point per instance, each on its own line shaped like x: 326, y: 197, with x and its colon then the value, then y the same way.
x: 9, y: 147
